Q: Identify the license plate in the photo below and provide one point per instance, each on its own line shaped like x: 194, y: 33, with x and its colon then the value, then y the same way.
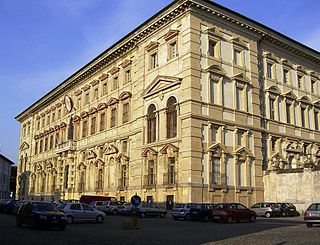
x: 216, y: 217
x: 194, y: 212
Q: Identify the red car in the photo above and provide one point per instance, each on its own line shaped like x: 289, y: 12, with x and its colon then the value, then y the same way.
x: 230, y: 212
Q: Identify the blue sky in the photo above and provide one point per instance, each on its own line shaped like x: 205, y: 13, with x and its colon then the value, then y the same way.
x: 42, y: 42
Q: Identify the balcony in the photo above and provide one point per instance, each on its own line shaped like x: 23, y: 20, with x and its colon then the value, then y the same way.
x: 69, y: 145
x: 123, y: 184
x: 149, y: 181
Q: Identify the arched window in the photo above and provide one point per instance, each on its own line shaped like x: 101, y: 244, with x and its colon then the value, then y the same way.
x: 171, y: 117
x: 152, y: 123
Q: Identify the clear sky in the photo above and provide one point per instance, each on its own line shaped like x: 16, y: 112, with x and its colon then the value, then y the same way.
x: 42, y: 42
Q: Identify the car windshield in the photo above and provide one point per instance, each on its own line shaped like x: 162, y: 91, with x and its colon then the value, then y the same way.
x: 179, y: 206
x: 62, y: 205
x: 218, y: 206
x: 36, y: 206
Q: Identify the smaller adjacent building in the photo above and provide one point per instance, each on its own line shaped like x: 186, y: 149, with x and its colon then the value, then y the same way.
x: 5, y: 176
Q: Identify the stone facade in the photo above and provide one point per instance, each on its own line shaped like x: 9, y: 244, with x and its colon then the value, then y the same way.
x: 186, y: 109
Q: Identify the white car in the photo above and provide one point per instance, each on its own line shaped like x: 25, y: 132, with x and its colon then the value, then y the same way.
x: 81, y: 212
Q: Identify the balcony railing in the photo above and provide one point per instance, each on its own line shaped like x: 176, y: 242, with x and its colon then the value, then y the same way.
x: 123, y: 184
x: 169, y: 178
x: 69, y: 145
x: 149, y: 180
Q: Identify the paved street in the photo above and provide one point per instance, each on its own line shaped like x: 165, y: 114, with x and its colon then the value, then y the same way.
x: 165, y: 231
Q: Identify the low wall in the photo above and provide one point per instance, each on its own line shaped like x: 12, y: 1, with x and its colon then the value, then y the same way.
x: 298, y: 186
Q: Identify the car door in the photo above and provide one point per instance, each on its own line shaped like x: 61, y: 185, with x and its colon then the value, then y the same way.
x: 89, y: 212
x: 76, y: 212
x: 256, y: 208
x: 243, y: 214
x: 25, y: 213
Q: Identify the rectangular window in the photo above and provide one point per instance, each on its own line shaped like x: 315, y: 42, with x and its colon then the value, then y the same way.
x: 272, y: 101
x: 102, y: 121
x: 212, y: 47
x: 53, y: 118
x: 38, y: 124
x: 45, y: 144
x: 48, y: 120
x: 104, y: 89
x: 303, y: 120
x: 125, y: 146
x: 125, y: 115
x: 154, y: 60
x: 173, y: 50
x: 240, y: 138
x: 171, y: 168
x: 79, y: 102
x: 239, y: 93
x: 316, y: 120
x: 51, y: 141
x: 299, y: 81
x: 59, y: 113
x: 237, y: 57
x: 273, y: 144
x: 36, y: 148
x: 113, y: 117
x: 215, y: 168
x: 285, y: 76
x: 40, y: 148
x: 269, y: 71
x: 93, y: 125
x: 127, y: 76
x: 84, y: 128
x: 288, y: 112
x: 96, y: 94
x: 86, y: 98
x: 115, y: 83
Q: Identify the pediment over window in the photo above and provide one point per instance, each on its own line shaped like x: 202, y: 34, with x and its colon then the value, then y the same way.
x: 161, y: 83
x: 81, y: 166
x: 122, y: 158
x: 48, y: 164
x: 316, y: 103
x: 103, y: 77
x: 243, y: 152
x: 39, y: 167
x: 99, y: 163
x: 124, y: 95
x: 90, y: 154
x: 86, y: 87
x: 241, y: 77
x: 293, y: 148
x: 111, y: 149
x: 102, y: 106
x: 305, y: 99
x: 238, y: 41
x: 290, y: 95
x: 94, y: 82
x: 126, y: 63
x: 77, y: 92
x: 149, y: 151
x: 214, y: 32
x: 76, y: 118
x: 92, y: 111
x: 274, y: 90
x: 24, y: 146
x: 169, y: 148
x: 84, y: 114
x: 152, y: 46
x: 279, y: 156
x: 171, y: 34
x: 270, y: 56
x: 63, y: 125
x: 51, y: 130
x: 114, y: 70
x: 57, y: 128
x: 218, y: 149
x: 216, y: 70
x: 112, y: 101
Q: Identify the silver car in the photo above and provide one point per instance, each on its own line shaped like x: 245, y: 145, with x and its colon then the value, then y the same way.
x: 312, y: 214
x: 109, y: 207
x: 79, y: 212
x: 268, y: 209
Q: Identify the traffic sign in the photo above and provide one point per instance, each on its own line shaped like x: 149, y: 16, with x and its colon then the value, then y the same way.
x: 135, y: 200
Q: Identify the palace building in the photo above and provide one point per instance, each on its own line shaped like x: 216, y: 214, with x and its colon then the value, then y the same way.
x: 197, y: 104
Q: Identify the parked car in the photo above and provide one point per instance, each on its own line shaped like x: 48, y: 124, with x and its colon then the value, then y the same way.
x: 39, y: 214
x: 87, y: 199
x: 125, y: 209
x: 2, y: 202
x: 230, y: 212
x: 312, y: 214
x: 149, y: 209
x: 109, y: 207
x: 288, y: 209
x: 201, y: 212
x: 17, y: 205
x: 79, y: 212
x: 8, y: 206
x: 268, y: 209
x: 181, y: 211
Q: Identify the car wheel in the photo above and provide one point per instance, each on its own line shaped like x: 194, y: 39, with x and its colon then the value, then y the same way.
x: 268, y: 215
x: 18, y: 221
x: 114, y: 211
x: 99, y: 219
x: 309, y: 225
x: 70, y: 219
x: 252, y: 219
x: 143, y: 215
x: 229, y: 219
